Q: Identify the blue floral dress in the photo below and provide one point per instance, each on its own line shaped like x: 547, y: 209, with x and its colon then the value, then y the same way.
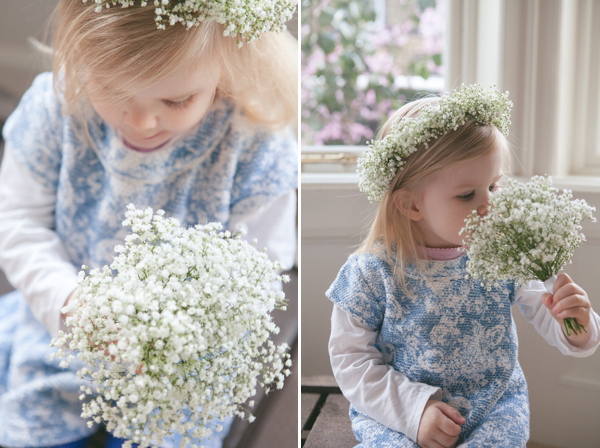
x: 449, y: 333
x: 226, y: 167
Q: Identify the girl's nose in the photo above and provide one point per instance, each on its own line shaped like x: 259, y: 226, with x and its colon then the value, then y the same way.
x: 140, y: 118
x: 482, y: 208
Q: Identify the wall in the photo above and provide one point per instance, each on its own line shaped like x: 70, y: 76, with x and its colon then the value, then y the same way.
x: 19, y: 60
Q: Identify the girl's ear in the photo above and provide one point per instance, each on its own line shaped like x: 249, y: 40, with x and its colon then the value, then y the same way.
x: 405, y: 203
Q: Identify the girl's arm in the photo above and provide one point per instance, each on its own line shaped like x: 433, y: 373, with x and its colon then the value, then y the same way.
x: 31, y: 253
x: 371, y: 385
x: 529, y: 299
x: 274, y: 226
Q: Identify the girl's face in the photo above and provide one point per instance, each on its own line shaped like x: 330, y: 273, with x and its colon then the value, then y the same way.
x: 153, y: 116
x: 448, y: 197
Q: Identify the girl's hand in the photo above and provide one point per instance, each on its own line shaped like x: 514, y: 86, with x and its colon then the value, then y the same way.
x: 440, y: 425
x: 569, y: 300
x: 64, y: 316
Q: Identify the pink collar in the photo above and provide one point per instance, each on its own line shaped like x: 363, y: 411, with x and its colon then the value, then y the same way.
x: 443, y: 254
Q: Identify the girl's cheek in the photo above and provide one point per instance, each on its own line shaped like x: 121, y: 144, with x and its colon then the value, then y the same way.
x: 184, y: 122
x: 193, y: 117
x: 107, y: 112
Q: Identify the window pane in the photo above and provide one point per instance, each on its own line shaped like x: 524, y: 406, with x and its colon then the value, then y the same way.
x: 361, y: 60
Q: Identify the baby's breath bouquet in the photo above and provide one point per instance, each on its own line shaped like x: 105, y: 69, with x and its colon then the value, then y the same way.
x: 175, y: 332
x: 530, y: 232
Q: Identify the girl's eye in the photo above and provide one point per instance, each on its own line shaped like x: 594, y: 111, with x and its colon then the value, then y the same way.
x: 466, y: 197
x: 179, y: 104
x: 493, y: 187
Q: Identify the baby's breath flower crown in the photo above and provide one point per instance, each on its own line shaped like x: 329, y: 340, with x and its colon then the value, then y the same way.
x: 175, y: 332
x: 247, y: 19
x: 384, y: 158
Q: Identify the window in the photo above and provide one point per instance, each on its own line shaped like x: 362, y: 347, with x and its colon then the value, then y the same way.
x: 362, y: 60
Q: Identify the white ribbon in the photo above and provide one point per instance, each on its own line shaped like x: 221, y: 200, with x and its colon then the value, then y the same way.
x: 549, y: 284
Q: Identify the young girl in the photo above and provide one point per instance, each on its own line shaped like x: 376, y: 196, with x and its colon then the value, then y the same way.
x: 139, y: 109
x: 425, y: 355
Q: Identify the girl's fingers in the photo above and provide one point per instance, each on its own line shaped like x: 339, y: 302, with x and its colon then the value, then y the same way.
x: 445, y: 441
x: 436, y: 444
x: 567, y: 290
x: 573, y: 301
x: 561, y: 281
x: 547, y: 299
x: 452, y: 413
x: 581, y: 314
x: 449, y: 428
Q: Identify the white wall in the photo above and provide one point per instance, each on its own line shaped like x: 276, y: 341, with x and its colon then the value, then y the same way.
x: 333, y: 217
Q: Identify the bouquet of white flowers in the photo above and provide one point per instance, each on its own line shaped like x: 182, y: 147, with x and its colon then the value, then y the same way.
x: 175, y: 332
x: 530, y: 232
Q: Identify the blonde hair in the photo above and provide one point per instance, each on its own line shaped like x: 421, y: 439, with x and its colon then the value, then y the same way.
x: 122, y: 47
x: 393, y: 235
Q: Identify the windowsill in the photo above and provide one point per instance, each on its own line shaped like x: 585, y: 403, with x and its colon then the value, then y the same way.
x: 339, y: 181
x: 581, y: 184
x: 335, y: 181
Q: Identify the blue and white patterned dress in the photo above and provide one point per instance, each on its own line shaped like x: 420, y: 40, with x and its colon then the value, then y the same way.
x: 227, y: 167
x: 450, y: 333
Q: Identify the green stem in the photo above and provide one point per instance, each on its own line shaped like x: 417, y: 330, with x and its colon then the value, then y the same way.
x: 571, y: 324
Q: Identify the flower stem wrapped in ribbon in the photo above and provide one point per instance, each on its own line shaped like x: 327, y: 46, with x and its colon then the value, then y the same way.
x: 530, y: 232
x: 175, y: 332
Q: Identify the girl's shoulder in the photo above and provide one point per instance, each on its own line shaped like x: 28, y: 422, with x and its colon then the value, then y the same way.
x: 42, y: 86
x: 34, y: 131
x: 38, y: 107
x: 370, y: 263
x: 362, y: 288
x: 364, y: 271
x: 255, y: 137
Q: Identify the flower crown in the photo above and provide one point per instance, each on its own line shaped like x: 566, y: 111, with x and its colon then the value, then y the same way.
x: 244, y: 18
x: 384, y: 158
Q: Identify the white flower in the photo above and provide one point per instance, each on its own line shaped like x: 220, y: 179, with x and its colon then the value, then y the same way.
x: 530, y: 232
x: 175, y: 332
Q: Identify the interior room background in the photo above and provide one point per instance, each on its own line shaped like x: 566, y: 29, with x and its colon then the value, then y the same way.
x: 545, y: 54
